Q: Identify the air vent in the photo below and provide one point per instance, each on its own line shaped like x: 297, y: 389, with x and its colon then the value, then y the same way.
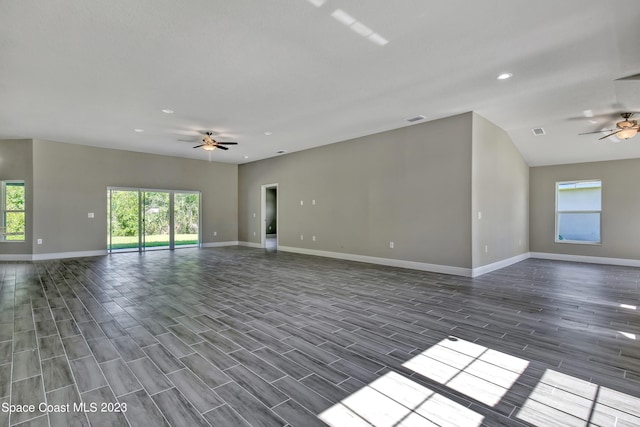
x: 538, y: 131
x: 415, y: 119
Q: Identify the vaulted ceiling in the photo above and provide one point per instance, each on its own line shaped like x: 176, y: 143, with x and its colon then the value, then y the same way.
x: 315, y: 72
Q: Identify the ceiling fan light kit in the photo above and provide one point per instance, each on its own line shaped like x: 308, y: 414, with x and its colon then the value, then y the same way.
x: 627, y: 133
x: 626, y: 128
x: 210, y: 144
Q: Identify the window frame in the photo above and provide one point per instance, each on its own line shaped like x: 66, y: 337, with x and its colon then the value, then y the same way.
x: 558, y: 212
x: 4, y: 210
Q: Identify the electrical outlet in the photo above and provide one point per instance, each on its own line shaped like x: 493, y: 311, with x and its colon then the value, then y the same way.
x: 90, y: 215
x: 313, y: 238
x: 215, y: 233
x: 39, y: 241
x: 313, y: 202
x: 391, y: 245
x: 479, y: 215
x: 254, y: 214
x: 486, y: 248
x: 301, y: 237
x: 301, y: 202
x: 254, y: 234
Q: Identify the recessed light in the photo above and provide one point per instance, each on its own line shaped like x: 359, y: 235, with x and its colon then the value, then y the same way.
x: 505, y: 76
x: 138, y: 130
x: 281, y: 151
x: 167, y: 110
x: 268, y: 133
x: 245, y: 157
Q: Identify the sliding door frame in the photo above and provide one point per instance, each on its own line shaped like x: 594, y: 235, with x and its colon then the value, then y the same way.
x: 141, y: 213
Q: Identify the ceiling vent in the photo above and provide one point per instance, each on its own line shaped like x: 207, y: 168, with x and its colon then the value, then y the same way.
x: 538, y: 131
x: 415, y: 119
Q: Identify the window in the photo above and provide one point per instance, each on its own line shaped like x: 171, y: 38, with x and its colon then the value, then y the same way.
x: 12, y: 228
x: 578, y: 211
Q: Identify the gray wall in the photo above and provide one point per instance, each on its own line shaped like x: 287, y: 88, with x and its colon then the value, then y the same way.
x: 411, y: 186
x: 501, y: 193
x: 71, y: 180
x: 15, y: 163
x: 620, y: 207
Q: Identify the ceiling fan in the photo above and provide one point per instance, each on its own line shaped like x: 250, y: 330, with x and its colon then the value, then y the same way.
x: 625, y: 129
x: 210, y: 144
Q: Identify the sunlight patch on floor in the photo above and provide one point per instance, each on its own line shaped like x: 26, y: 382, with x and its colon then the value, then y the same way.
x: 395, y: 400
x: 476, y: 371
x: 561, y: 398
x: 485, y: 375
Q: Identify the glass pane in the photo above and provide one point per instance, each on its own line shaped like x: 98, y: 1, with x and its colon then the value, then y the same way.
x: 580, y: 196
x: 186, y: 212
x: 581, y: 227
x: 15, y: 225
x: 124, y: 220
x: 14, y: 196
x: 156, y: 220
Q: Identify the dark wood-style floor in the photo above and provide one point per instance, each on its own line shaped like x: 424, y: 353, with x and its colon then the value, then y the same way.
x: 238, y: 336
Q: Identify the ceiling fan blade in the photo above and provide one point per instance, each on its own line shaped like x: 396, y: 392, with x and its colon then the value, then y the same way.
x: 198, y: 146
x: 221, y: 147
x: 227, y: 143
x: 598, y: 131
x: 611, y: 134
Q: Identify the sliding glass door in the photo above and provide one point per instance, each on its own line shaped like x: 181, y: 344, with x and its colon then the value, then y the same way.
x: 186, y: 214
x: 124, y: 220
x: 156, y: 220
x: 141, y: 220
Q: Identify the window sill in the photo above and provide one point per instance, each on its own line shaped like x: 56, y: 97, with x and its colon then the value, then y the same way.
x: 578, y: 242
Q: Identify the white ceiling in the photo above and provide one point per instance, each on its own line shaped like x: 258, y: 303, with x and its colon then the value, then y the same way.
x: 89, y: 72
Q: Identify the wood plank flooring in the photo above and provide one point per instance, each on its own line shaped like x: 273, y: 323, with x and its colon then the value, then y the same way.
x: 246, y: 337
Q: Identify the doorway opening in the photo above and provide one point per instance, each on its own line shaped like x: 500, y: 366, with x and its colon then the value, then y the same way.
x: 142, y: 220
x: 269, y: 212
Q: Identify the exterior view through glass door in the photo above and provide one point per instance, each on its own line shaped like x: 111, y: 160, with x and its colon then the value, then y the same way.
x: 141, y: 220
x: 155, y: 220
x: 124, y: 220
x: 186, y: 214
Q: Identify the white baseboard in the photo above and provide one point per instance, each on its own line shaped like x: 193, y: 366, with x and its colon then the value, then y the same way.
x: 413, y: 265
x: 588, y: 259
x: 219, y: 244
x: 484, y: 269
x: 62, y: 255
x: 252, y: 245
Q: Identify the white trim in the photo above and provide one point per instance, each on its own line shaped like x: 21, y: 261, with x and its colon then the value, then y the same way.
x: 436, y: 268
x: 251, y: 245
x: 220, y: 244
x: 60, y: 255
x: 588, y: 259
x: 263, y: 212
x: 484, y: 269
